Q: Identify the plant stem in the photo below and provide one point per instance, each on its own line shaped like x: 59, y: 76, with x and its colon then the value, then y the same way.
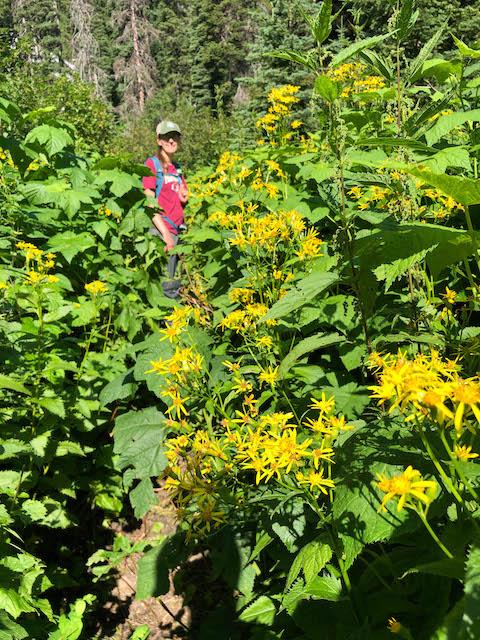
x: 460, y: 473
x: 434, y: 535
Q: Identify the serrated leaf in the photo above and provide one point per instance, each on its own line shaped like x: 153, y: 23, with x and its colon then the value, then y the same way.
x: 13, y: 603
x: 322, y: 24
x: 52, y: 405
x: 5, y: 517
x: 119, y: 388
x: 51, y: 138
x: 143, y: 497
x: 305, y: 291
x: 445, y: 124
x: 152, y: 575
x: 327, y: 88
x: 120, y: 181
x: 471, y: 616
x: 310, y: 559
x: 7, y: 382
x: 70, y: 243
x: 327, y: 588
x: 139, y: 441
x: 448, y: 567
x: 34, y: 509
x: 295, y: 56
x: 262, y: 611
x: 307, y: 345
x: 289, y: 522
x: 10, y: 629
x: 294, y: 595
x: 464, y: 49
x: 466, y: 191
x: 425, y: 51
x: 356, y: 48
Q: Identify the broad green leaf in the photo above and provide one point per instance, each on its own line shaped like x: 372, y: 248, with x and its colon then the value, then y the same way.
x: 6, y: 382
x: 305, y: 291
x: 53, y: 405
x: 13, y: 603
x: 120, y: 181
x: 5, y: 517
x: 34, y: 509
x: 143, y: 497
x: 425, y: 51
x: 295, y: 56
x: 448, y: 567
x: 471, y: 616
x: 327, y: 88
x: 307, y: 345
x: 446, y: 123
x: 53, y: 139
x: 294, y: 595
x: 289, y: 522
x: 141, y: 633
x: 380, y: 65
x: 356, y: 48
x: 261, y: 611
x: 57, y: 516
x: 438, y: 68
x: 70, y: 243
x: 322, y: 25
x: 466, y: 191
x: 464, y: 49
x: 311, y: 560
x: 10, y: 629
x: 327, y: 588
x: 121, y: 387
x: 406, y: 19
x: 152, y: 575
x: 448, y: 157
x: 139, y: 441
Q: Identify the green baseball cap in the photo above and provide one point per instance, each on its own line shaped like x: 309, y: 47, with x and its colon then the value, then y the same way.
x: 166, y: 126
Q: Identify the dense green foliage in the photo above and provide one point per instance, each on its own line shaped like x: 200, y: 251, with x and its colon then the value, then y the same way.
x: 327, y: 266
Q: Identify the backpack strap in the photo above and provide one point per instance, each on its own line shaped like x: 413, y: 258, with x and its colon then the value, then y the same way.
x: 160, y: 179
x: 160, y: 175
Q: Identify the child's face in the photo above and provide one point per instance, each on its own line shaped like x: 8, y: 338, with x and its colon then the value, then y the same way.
x: 169, y: 141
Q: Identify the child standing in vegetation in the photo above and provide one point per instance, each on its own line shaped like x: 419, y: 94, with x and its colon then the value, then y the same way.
x: 168, y: 186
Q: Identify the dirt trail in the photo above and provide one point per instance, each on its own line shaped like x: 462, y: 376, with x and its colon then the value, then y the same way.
x: 164, y: 621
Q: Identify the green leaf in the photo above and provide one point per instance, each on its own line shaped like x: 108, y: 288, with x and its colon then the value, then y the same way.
x: 294, y: 56
x: 261, y: 611
x: 464, y: 49
x: 141, y: 633
x: 10, y: 629
x: 307, y: 345
x: 152, y: 575
x: 120, y: 182
x: 143, y: 497
x: 289, y: 522
x: 471, y: 616
x: 405, y: 20
x: 34, y: 509
x: 69, y: 243
x: 327, y: 88
x: 121, y: 387
x: 425, y: 51
x: 446, y: 123
x: 4, y: 516
x: 53, y: 405
x: 139, y: 441
x: 306, y: 290
x: 13, y: 603
x: 355, y: 48
x: 466, y: 191
x: 57, y: 516
x: 327, y: 588
x: 6, y: 382
x: 448, y: 567
x: 51, y: 138
x: 322, y: 25
x: 311, y: 559
x: 438, y: 68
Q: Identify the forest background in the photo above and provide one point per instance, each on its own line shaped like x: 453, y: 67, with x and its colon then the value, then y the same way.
x: 115, y: 68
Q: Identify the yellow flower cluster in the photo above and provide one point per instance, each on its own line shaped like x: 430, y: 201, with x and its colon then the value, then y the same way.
x: 427, y: 386
x: 267, y: 447
x: 5, y: 155
x: 279, y: 112
x: 105, y: 211
x: 406, y: 487
x: 43, y: 263
x: 394, y: 200
x: 353, y: 73
x: 95, y: 287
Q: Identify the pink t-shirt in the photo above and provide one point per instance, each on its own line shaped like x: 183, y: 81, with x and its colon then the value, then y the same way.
x: 168, y: 197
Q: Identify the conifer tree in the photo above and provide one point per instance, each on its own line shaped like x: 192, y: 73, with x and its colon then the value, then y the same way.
x: 135, y: 69
x: 85, y: 48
